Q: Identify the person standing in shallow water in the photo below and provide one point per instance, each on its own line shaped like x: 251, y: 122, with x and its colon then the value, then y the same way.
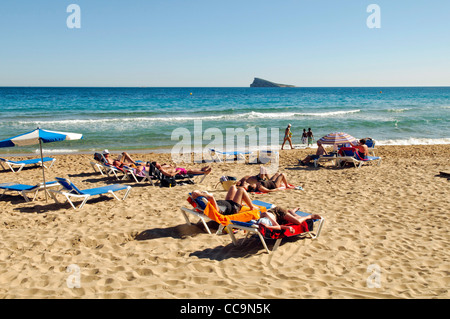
x: 304, y: 137
x: 310, y: 137
x: 287, y: 136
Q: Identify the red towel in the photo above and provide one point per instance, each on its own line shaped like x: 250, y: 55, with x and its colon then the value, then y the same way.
x: 275, y: 234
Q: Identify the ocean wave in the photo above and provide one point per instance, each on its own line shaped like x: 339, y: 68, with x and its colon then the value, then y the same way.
x: 414, y: 141
x: 49, y: 150
x: 183, y: 118
x: 398, y: 110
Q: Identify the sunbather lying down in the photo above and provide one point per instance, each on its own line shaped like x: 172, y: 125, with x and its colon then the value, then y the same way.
x: 170, y: 170
x: 276, y: 182
x: 122, y: 159
x: 232, y: 203
x: 277, y: 218
x: 253, y: 179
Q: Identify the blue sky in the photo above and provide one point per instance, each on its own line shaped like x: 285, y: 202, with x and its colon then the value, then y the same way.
x: 224, y: 43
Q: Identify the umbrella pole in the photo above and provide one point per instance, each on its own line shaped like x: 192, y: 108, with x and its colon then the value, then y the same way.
x: 43, y: 168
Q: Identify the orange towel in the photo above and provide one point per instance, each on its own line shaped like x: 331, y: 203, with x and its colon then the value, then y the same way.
x: 244, y: 215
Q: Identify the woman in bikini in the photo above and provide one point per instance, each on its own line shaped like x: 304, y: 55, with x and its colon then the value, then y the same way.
x: 273, y: 184
x: 362, y: 149
x: 287, y: 136
x: 123, y: 159
x: 170, y: 170
x: 277, y: 218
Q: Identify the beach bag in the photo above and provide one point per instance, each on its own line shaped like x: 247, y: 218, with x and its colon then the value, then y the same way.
x: 227, y: 182
x: 168, y: 182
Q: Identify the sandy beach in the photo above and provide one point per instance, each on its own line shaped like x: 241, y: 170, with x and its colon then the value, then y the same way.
x: 392, y: 217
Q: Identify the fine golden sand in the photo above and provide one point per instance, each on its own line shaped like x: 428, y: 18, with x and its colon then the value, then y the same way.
x: 393, y: 218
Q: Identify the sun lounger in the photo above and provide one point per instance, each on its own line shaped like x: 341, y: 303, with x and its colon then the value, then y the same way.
x: 197, y: 211
x: 371, y: 145
x: 100, y: 164
x: 22, y: 164
x: 138, y: 177
x: 305, y: 229
x: 350, y: 155
x: 24, y: 189
x: 155, y: 173
x: 325, y: 158
x: 203, y: 210
x: 264, y: 157
x: 236, y: 155
x: 70, y: 190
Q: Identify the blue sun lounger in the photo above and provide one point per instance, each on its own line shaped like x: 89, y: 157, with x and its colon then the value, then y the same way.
x: 24, y: 189
x: 22, y: 164
x: 349, y: 155
x: 371, y: 145
x: 235, y: 154
x: 70, y: 190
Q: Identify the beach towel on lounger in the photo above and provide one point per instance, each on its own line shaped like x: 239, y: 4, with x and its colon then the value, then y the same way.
x: 276, y: 234
x: 244, y: 215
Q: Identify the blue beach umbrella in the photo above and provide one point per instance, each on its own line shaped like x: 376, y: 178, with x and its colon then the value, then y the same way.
x: 39, y: 136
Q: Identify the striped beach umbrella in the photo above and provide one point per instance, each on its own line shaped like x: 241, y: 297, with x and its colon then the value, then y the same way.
x: 39, y: 136
x: 337, y: 138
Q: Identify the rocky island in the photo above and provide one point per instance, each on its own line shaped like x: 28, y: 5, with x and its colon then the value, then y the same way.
x: 260, y: 83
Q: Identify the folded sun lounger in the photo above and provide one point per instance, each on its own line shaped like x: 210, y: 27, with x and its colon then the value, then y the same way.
x: 251, y: 228
x: 24, y: 189
x: 22, y: 164
x: 70, y: 190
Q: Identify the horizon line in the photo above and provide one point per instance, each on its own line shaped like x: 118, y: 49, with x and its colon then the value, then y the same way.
x: 294, y: 87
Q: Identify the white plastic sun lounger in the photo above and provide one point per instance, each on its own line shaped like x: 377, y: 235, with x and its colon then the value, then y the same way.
x: 70, y: 190
x: 24, y: 189
x: 254, y: 229
x: 235, y: 154
x: 22, y: 164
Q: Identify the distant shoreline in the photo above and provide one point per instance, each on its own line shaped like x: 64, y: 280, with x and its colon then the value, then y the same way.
x: 167, y: 150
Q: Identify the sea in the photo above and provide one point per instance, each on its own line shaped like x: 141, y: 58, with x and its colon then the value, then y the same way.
x: 161, y: 119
